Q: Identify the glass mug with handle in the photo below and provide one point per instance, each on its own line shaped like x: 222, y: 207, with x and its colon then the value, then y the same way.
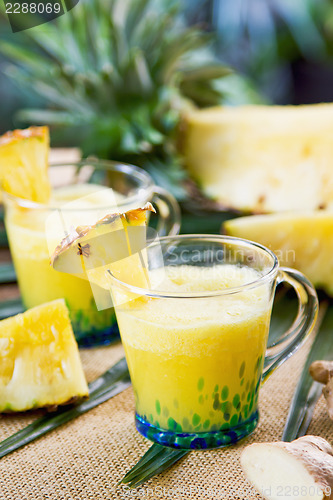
x: 196, y: 338
x: 84, y: 198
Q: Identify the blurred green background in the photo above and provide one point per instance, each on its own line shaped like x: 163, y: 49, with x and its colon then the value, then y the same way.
x: 114, y: 76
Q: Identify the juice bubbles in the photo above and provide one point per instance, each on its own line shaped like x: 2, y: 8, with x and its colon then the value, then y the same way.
x: 196, y: 363
x: 30, y: 249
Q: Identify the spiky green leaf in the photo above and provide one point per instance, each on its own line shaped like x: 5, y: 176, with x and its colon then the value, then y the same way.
x: 115, y: 76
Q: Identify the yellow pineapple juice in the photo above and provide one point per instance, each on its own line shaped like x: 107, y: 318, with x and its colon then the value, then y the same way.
x: 196, y: 363
x: 31, y: 249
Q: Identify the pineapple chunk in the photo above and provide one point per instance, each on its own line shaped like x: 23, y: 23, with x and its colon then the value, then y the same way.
x: 303, y: 240
x: 89, y: 250
x: 262, y: 158
x: 113, y: 244
x: 24, y: 163
x: 39, y: 359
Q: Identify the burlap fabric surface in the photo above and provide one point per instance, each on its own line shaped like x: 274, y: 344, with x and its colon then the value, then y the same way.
x: 87, y: 457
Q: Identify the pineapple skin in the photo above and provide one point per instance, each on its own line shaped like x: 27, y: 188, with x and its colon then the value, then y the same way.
x: 262, y: 158
x: 302, y: 240
x: 40, y: 364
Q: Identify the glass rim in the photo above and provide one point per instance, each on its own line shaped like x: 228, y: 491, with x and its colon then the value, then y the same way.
x: 214, y: 293
x: 126, y: 168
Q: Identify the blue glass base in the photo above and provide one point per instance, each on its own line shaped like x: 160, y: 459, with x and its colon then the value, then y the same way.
x: 93, y: 328
x: 197, y: 440
x: 98, y: 338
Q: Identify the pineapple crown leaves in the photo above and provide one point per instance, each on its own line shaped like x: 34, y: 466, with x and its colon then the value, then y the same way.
x: 116, y: 76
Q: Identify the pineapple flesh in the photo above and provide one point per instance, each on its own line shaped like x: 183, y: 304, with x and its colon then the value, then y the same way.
x: 114, y: 242
x: 24, y: 163
x: 262, y: 158
x: 303, y: 240
x: 40, y: 364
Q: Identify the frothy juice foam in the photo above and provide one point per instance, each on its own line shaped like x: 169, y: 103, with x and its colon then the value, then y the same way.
x: 196, y: 363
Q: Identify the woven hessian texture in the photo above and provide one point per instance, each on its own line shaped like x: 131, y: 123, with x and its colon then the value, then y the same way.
x: 86, y: 458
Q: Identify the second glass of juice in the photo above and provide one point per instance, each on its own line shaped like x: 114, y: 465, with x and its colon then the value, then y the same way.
x: 196, y: 336
x: 96, y: 188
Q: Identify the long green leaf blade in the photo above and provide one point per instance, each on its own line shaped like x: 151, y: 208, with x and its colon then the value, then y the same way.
x: 111, y: 375
x: 156, y: 460
x: 207, y: 72
x: 46, y: 116
x: 10, y: 307
x: 165, y: 464
x: 148, y: 458
x: 314, y: 395
x: 111, y: 383
x: 7, y: 273
x: 21, y: 55
x: 308, y: 391
x: 3, y: 237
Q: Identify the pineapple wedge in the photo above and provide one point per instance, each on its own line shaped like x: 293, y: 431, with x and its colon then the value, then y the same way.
x: 303, y: 240
x: 262, y: 158
x: 24, y: 163
x: 89, y: 250
x: 40, y: 364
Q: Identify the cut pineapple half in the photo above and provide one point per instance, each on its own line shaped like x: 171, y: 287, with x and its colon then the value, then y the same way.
x: 303, y: 240
x: 89, y: 251
x: 262, y: 158
x: 40, y: 364
x: 24, y: 163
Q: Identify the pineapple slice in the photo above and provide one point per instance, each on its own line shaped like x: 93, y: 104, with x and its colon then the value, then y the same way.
x: 262, y: 158
x: 115, y: 244
x: 24, y: 163
x: 90, y: 250
x: 303, y: 240
x: 39, y: 359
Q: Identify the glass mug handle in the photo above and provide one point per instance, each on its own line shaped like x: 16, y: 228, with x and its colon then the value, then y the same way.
x: 303, y: 323
x: 168, y: 211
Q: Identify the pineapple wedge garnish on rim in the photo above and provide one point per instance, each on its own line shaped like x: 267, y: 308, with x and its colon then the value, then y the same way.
x: 303, y: 240
x: 89, y: 251
x: 40, y: 364
x: 24, y: 163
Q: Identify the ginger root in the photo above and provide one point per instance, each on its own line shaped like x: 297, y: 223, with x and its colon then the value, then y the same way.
x: 328, y: 395
x: 322, y: 371
x: 300, y: 469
